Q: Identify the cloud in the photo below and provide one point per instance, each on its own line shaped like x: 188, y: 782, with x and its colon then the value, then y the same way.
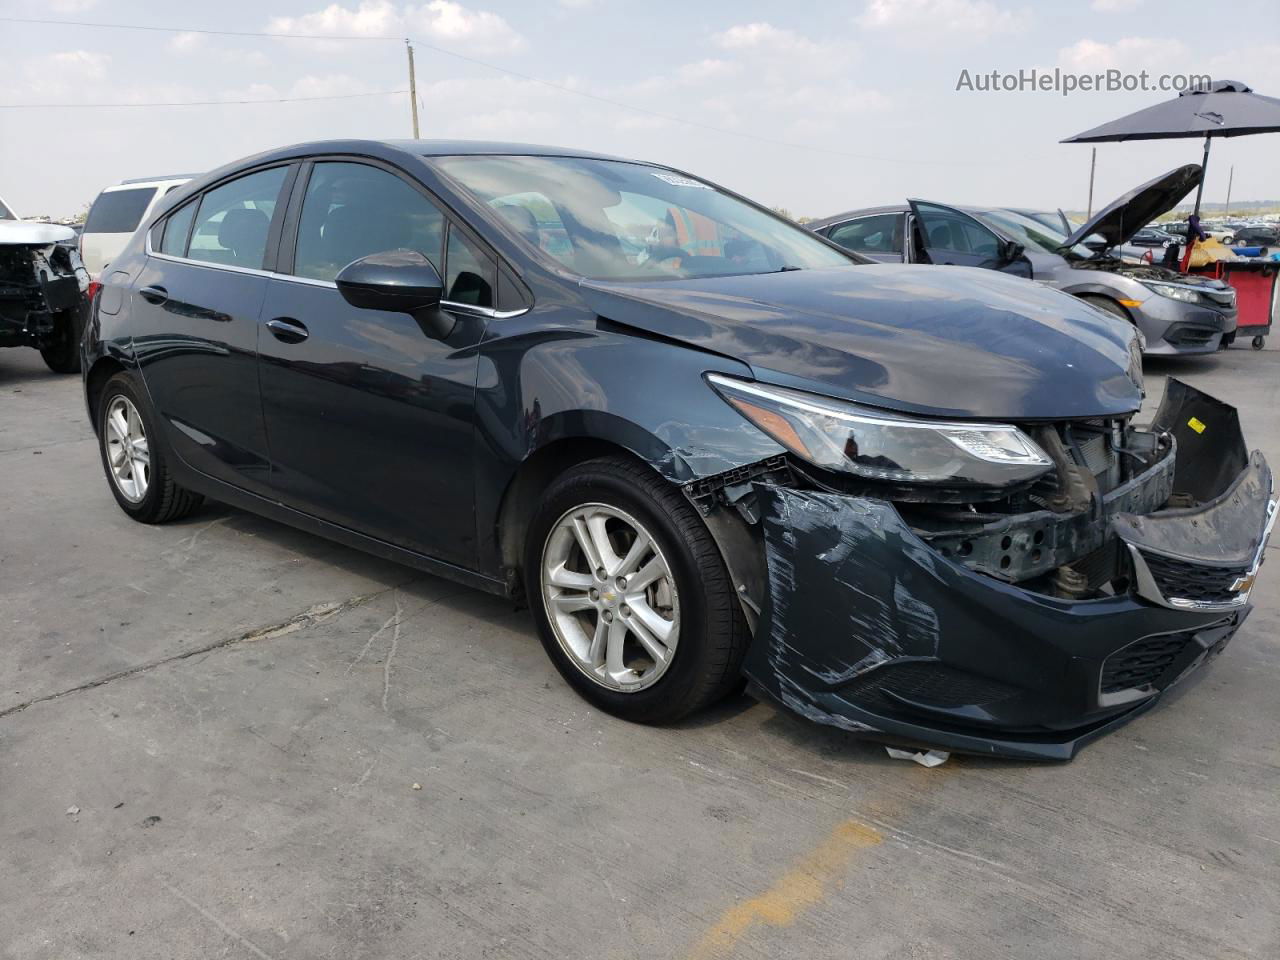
x: 442, y: 21
x: 66, y: 66
x: 972, y: 18
x: 1129, y: 53
x: 452, y: 22
x: 764, y: 37
x: 1115, y: 6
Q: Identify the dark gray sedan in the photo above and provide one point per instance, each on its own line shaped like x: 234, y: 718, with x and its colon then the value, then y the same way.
x: 1177, y: 313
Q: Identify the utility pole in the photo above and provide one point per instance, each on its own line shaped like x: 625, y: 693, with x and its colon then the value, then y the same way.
x: 1230, y: 177
x: 413, y: 89
x: 1093, y: 164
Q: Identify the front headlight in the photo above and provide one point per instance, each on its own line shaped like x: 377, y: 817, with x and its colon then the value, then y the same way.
x: 878, y: 445
x: 1173, y: 291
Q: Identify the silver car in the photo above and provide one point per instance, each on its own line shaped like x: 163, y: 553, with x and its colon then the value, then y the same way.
x: 1176, y: 312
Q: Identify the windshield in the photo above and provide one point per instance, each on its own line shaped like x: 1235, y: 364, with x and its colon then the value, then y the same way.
x: 1035, y: 234
x: 613, y: 220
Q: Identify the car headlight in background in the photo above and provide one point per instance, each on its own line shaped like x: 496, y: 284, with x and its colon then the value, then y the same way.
x: 1173, y: 291
x: 879, y: 445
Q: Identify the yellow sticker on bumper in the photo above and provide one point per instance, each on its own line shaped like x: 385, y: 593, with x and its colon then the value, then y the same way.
x: 1196, y: 425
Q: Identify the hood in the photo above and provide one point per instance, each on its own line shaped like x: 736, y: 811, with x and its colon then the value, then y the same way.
x: 30, y: 233
x: 940, y: 341
x: 1122, y: 218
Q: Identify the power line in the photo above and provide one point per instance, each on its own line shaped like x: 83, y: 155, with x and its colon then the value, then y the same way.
x: 195, y: 103
x: 671, y: 117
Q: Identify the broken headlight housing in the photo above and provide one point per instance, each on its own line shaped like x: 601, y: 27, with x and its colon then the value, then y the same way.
x: 879, y: 445
x: 1173, y: 291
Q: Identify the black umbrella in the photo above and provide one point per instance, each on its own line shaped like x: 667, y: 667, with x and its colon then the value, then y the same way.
x: 1227, y: 108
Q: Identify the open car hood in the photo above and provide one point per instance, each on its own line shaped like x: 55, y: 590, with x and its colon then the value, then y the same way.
x: 939, y: 341
x: 1121, y: 219
x: 30, y: 233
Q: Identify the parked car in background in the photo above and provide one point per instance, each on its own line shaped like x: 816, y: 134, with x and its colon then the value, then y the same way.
x: 1176, y: 313
x: 116, y: 213
x: 1151, y: 237
x: 43, y: 289
x: 907, y: 501
x: 1259, y: 236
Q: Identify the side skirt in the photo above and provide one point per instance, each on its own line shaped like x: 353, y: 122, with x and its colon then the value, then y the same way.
x: 274, y: 510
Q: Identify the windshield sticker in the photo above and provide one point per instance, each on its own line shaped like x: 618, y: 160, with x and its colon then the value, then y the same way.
x: 676, y: 181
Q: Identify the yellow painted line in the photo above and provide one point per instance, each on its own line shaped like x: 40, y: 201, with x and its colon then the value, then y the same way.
x: 801, y: 887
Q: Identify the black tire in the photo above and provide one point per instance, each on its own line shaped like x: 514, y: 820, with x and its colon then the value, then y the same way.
x: 706, y: 665
x: 62, y: 353
x: 163, y: 500
x: 1258, y: 343
x: 1107, y: 305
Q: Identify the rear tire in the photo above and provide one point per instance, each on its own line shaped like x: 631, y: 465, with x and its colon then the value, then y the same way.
x: 582, y: 612
x: 62, y: 353
x: 134, y: 458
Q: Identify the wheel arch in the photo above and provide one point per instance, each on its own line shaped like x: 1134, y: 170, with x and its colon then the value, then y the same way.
x: 531, y: 479
x: 95, y: 379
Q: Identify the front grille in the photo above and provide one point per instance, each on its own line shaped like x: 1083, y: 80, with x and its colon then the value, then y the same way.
x: 1141, y: 664
x: 1181, y: 580
x: 926, y: 682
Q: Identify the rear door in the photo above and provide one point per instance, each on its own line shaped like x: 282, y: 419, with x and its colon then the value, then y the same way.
x: 945, y: 235
x: 369, y: 417
x: 878, y: 236
x: 196, y: 305
x: 111, y: 222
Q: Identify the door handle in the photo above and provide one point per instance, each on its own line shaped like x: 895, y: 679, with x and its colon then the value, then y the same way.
x: 154, y: 294
x: 287, y: 330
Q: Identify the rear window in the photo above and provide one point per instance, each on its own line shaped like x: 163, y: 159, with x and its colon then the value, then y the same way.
x: 118, y: 211
x: 5, y: 212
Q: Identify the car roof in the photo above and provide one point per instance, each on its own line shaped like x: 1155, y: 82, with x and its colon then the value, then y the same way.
x: 852, y: 214
x: 142, y: 182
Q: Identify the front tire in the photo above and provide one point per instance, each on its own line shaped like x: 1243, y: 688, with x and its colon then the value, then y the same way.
x: 62, y: 353
x: 133, y: 457
x: 632, y: 599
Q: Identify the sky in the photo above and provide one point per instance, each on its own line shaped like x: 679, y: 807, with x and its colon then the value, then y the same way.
x: 815, y: 107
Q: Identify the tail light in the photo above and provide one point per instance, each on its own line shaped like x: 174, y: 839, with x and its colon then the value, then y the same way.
x: 92, y: 292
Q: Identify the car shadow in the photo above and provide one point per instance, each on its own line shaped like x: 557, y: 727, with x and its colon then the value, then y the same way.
x: 23, y: 365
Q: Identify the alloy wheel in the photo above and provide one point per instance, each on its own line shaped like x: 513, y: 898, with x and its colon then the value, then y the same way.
x: 610, y: 597
x: 128, y: 452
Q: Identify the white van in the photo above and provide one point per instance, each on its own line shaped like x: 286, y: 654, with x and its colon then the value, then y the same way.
x: 116, y: 214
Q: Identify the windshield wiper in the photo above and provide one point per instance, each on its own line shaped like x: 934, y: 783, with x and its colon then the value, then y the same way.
x: 787, y: 268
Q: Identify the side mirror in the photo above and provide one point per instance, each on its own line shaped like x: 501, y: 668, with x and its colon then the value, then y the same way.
x: 397, y: 281
x: 1013, y: 251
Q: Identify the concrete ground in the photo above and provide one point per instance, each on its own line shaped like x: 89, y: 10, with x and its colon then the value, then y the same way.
x: 225, y: 738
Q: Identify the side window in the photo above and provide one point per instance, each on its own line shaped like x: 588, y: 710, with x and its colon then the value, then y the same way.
x: 470, y: 276
x: 234, y: 219
x: 950, y: 231
x: 352, y: 210
x: 118, y: 211
x: 176, y: 227
x: 881, y: 233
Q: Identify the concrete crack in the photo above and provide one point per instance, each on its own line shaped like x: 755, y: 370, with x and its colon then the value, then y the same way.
x: 391, y: 654
x: 308, y: 617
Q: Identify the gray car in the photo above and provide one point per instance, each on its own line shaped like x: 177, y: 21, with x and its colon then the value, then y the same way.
x: 1177, y: 313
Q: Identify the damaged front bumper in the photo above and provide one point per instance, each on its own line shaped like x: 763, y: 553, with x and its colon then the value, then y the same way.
x: 868, y: 626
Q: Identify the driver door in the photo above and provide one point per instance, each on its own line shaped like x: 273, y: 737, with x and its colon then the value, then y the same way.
x: 945, y: 235
x: 369, y: 417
